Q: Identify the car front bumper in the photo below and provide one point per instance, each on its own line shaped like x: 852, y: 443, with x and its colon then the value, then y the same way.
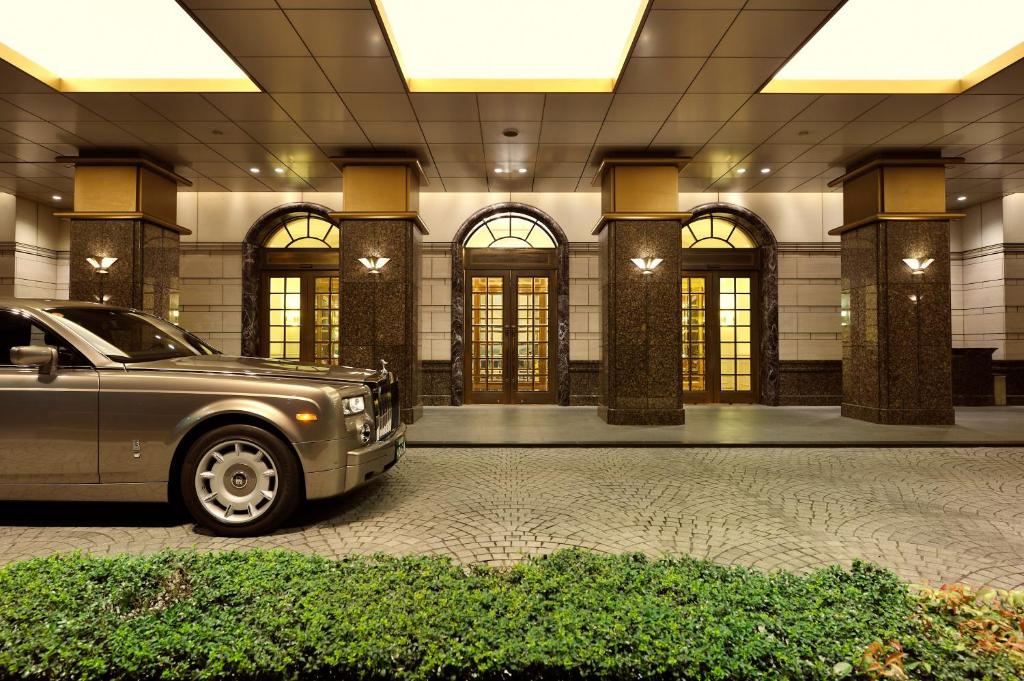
x: 362, y: 465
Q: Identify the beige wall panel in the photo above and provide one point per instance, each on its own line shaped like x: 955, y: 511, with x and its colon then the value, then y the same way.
x: 106, y: 188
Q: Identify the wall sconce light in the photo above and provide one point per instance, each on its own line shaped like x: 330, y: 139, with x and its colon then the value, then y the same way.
x: 101, y: 265
x: 647, y: 265
x: 918, y: 265
x: 375, y: 264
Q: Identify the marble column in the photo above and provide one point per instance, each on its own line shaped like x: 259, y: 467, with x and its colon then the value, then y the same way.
x: 641, y: 371
x: 897, y: 337
x: 126, y: 208
x: 380, y: 311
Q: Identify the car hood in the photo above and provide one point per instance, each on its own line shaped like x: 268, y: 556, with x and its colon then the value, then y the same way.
x: 259, y: 366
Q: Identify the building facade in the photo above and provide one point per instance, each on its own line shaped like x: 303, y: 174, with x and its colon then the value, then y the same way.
x: 760, y: 288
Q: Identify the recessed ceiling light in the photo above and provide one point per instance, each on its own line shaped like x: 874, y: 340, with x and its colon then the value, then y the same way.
x: 765, y: 171
x: 254, y: 171
x: 961, y: 198
x: 85, y: 50
x: 741, y: 170
x: 522, y: 170
x: 988, y: 39
x: 279, y: 171
x: 499, y: 170
x: 56, y: 197
x: 449, y: 45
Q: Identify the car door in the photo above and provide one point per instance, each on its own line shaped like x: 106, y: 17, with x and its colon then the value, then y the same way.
x: 48, y: 424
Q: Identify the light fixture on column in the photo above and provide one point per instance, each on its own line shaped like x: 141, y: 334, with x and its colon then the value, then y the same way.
x: 647, y: 265
x: 101, y: 264
x: 101, y: 267
x: 918, y: 265
x: 374, y: 264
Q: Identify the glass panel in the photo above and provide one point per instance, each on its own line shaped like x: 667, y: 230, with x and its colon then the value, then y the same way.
x: 306, y: 231
x: 532, y: 336
x: 510, y: 231
x: 734, y: 333
x: 279, y: 239
x: 285, y: 317
x: 326, y: 313
x: 715, y: 231
x: 712, y: 243
x: 333, y: 237
x: 701, y: 228
x: 510, y: 242
x: 486, y: 334
x: 741, y: 239
x: 694, y: 308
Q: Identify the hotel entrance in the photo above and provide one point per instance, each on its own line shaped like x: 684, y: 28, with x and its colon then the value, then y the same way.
x: 720, y: 311
x: 510, y: 274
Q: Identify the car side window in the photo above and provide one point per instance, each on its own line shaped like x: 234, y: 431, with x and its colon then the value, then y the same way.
x: 17, y: 329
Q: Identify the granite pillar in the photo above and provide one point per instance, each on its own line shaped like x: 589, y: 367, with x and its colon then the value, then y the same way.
x: 897, y: 337
x: 380, y: 318
x: 126, y: 208
x: 380, y: 311
x: 641, y: 324
x: 640, y: 379
x: 145, y: 275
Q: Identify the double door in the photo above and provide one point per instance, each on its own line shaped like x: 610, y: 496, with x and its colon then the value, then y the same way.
x: 510, y: 333
x: 301, y: 316
x: 720, y: 336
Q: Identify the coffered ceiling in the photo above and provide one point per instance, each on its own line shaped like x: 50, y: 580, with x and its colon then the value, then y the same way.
x: 690, y: 86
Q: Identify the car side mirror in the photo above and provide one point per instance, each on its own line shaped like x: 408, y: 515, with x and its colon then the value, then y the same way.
x: 42, y: 356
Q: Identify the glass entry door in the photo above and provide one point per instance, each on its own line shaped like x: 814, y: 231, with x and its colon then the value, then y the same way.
x: 302, y: 316
x: 720, y: 336
x: 510, y: 333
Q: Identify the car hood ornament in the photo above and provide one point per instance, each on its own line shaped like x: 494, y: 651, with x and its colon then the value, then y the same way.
x: 383, y: 366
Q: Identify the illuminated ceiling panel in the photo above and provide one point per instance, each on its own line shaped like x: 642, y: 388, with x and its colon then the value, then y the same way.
x: 116, y: 46
x: 502, y: 46
x: 907, y: 46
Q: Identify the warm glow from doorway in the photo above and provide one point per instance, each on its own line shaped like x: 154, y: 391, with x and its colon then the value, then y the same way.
x: 907, y: 46
x: 502, y: 46
x: 116, y: 46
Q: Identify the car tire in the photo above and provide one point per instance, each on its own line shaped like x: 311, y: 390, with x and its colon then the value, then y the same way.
x: 240, y: 481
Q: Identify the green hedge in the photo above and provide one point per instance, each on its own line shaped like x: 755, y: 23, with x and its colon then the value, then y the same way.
x: 260, y: 614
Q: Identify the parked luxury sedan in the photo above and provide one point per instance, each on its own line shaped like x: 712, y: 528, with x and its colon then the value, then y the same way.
x: 103, y: 403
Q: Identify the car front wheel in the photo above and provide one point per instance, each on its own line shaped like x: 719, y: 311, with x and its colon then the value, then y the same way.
x: 240, y: 481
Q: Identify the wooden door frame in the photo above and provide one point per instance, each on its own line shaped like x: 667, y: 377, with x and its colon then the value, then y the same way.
x: 307, y: 304
x: 473, y: 397
x: 510, y: 313
x: 712, y: 264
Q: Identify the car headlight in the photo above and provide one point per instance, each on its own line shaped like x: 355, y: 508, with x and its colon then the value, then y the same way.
x: 353, y: 405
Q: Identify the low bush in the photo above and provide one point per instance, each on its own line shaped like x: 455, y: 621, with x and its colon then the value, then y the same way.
x: 571, y: 615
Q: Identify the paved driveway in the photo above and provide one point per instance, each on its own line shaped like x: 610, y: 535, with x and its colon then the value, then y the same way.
x: 930, y: 514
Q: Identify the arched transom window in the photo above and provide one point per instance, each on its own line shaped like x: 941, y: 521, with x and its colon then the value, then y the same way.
x: 303, y: 231
x: 510, y: 230
x: 715, y: 231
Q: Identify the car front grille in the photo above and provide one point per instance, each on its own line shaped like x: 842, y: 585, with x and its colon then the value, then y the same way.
x: 386, y: 407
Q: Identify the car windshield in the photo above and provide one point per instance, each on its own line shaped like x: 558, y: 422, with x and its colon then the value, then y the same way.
x: 128, y: 336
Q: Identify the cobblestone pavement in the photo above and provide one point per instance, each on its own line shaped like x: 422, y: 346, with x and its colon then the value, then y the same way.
x: 930, y: 514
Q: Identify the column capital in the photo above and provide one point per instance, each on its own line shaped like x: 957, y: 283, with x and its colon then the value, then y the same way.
x: 905, y: 188
x: 380, y: 184
x: 640, y: 186
x: 125, y: 188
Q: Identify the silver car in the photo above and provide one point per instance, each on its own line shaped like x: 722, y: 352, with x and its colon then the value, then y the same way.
x: 102, y: 403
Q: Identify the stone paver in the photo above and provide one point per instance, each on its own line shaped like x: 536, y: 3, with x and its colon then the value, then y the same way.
x: 933, y: 515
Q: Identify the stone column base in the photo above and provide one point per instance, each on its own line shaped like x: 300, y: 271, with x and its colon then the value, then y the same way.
x: 900, y: 417
x: 642, y: 417
x: 412, y: 414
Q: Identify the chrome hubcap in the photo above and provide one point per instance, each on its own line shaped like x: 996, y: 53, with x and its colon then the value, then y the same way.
x: 236, y: 481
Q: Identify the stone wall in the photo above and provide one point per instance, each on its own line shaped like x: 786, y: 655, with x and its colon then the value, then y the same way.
x: 211, y: 293
x: 809, y: 302
x: 34, y: 250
